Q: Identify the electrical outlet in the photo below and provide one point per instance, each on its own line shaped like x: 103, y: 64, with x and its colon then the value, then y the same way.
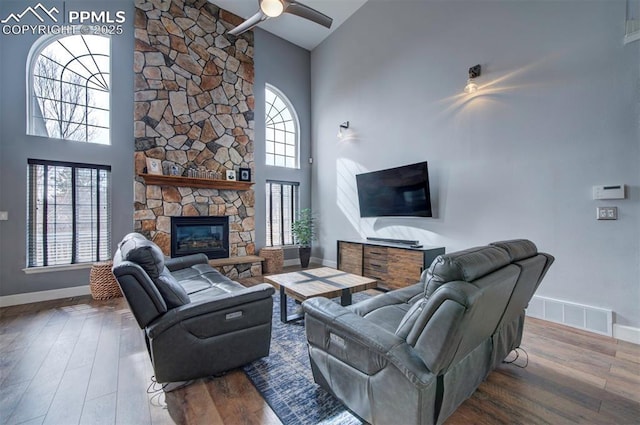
x: 607, y: 213
x: 4, y: 215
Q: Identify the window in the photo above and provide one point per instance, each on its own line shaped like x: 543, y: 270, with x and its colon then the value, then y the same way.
x: 68, y: 213
x: 281, y: 133
x: 282, y: 208
x: 69, y: 88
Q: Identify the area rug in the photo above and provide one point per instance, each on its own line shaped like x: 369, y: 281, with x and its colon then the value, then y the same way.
x: 285, y: 381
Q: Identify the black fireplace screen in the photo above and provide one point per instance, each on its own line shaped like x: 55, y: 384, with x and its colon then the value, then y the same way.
x: 192, y: 235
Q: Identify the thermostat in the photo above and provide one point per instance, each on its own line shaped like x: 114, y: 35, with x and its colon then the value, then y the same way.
x: 614, y: 191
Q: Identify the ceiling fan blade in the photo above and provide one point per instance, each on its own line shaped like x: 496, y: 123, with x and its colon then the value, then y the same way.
x: 249, y: 23
x: 306, y: 12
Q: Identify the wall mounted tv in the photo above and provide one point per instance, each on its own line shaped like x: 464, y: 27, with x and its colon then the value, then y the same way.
x: 395, y: 192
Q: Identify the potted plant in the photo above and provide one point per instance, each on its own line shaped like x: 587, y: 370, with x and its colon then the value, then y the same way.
x: 304, y: 232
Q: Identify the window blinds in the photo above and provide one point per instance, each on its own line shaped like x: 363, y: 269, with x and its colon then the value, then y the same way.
x: 69, y: 214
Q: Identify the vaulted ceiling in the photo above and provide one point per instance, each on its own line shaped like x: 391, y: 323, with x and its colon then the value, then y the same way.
x: 297, y: 30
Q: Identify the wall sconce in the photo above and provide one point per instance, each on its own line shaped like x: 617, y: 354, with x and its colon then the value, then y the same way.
x: 474, y: 72
x: 344, y: 125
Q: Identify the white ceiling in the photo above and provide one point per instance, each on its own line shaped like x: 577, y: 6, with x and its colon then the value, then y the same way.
x: 297, y: 30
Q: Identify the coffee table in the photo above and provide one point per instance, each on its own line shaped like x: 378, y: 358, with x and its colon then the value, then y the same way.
x: 320, y: 282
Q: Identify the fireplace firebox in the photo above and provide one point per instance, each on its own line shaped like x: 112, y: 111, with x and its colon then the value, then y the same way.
x: 205, y: 234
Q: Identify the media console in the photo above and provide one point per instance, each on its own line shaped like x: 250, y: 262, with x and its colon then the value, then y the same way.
x: 393, y: 265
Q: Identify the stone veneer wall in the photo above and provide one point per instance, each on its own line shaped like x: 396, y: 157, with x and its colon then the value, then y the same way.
x: 193, y: 108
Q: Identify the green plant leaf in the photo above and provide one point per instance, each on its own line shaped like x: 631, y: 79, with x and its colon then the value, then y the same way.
x: 304, y: 228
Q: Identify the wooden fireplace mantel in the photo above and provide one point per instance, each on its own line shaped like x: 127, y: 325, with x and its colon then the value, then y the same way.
x: 180, y: 181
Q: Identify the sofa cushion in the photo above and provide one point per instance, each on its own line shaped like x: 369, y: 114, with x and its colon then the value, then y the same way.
x: 518, y: 249
x: 143, y: 252
x: 174, y: 295
x: 203, y: 277
x: 193, y: 284
x: 467, y: 265
x: 207, y: 294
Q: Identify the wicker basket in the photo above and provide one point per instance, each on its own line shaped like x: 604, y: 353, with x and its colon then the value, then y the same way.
x: 102, y: 282
x: 273, y: 260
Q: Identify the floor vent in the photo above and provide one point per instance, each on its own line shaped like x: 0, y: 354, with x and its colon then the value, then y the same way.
x: 593, y: 319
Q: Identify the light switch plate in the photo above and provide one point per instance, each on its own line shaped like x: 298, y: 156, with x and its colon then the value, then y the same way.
x: 4, y: 215
x: 607, y: 213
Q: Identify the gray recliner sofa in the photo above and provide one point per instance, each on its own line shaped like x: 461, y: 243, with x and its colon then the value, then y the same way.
x: 196, y: 321
x: 413, y: 355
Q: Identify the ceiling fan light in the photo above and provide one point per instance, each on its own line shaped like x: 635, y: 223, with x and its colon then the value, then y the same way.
x: 272, y: 8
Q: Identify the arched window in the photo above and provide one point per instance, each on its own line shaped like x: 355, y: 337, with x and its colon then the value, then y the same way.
x: 281, y: 133
x: 69, y: 88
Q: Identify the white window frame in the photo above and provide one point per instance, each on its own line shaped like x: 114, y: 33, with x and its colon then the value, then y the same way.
x: 36, y: 49
x: 296, y: 124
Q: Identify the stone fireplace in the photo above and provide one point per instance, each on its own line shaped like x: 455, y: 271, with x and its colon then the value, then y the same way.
x: 193, y: 109
x: 206, y: 234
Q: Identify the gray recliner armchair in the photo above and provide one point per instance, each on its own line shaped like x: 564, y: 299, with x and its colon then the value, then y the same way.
x: 196, y: 321
x: 413, y: 355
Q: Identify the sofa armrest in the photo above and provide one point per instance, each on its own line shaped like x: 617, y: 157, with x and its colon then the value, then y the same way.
x: 209, y: 317
x: 178, y: 263
x: 358, y: 342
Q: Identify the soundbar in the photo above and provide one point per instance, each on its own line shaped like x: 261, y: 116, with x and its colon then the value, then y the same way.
x: 398, y: 241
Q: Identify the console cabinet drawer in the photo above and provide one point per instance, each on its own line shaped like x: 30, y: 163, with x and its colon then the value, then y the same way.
x: 379, y: 277
x: 375, y: 262
x: 380, y: 268
x: 379, y: 274
x: 375, y: 252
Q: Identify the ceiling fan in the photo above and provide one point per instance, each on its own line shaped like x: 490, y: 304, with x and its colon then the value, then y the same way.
x: 274, y: 8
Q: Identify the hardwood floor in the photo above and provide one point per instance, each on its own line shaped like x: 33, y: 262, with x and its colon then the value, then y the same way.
x: 572, y: 376
x: 80, y: 361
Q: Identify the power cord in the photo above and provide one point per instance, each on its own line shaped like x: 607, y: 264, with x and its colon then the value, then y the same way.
x: 158, y: 390
x: 157, y: 393
x: 517, y: 351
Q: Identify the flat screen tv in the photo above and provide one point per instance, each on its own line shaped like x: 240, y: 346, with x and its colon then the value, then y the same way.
x: 395, y: 192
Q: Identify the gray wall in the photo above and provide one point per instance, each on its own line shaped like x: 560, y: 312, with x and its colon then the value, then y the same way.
x: 558, y: 114
x: 16, y: 147
x: 287, y: 67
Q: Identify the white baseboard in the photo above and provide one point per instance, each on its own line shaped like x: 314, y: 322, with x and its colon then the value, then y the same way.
x: 626, y: 333
x: 312, y: 260
x: 589, y: 318
x: 35, y: 297
x: 327, y: 263
x: 585, y: 317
